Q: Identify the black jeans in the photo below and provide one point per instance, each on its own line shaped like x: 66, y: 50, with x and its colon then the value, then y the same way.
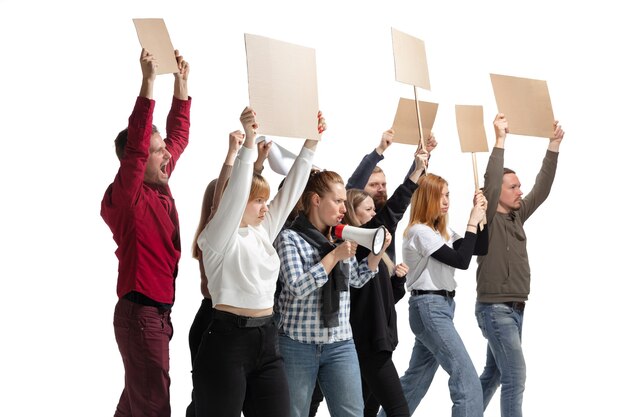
x: 240, y: 369
x: 201, y: 322
x: 381, y: 385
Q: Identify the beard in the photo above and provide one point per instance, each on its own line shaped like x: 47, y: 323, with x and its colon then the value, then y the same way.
x: 380, y: 199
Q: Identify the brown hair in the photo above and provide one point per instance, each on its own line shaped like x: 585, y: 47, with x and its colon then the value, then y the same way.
x: 425, y: 205
x: 205, y: 216
x: 354, y: 198
x: 319, y: 183
x: 377, y: 170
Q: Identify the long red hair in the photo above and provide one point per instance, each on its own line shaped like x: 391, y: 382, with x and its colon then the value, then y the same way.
x: 426, y: 205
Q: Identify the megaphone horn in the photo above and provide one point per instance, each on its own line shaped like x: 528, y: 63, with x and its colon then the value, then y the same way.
x: 373, y: 239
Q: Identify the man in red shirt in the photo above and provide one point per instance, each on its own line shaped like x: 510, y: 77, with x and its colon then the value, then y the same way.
x: 139, y: 209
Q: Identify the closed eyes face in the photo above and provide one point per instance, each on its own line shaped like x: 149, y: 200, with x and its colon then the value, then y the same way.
x: 158, y: 158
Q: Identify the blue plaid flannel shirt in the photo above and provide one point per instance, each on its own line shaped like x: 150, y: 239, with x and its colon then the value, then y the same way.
x: 300, y: 301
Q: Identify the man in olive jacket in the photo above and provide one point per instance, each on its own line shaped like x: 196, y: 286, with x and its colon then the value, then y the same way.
x: 503, y: 275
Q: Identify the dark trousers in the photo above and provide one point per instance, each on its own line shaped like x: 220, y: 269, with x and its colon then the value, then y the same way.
x: 239, y: 369
x: 381, y: 385
x: 316, y: 399
x: 143, y: 335
x: 201, y: 322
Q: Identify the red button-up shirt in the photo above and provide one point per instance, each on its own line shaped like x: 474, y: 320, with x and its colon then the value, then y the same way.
x: 142, y: 216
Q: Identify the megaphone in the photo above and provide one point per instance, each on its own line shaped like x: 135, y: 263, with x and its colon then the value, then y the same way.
x: 373, y: 239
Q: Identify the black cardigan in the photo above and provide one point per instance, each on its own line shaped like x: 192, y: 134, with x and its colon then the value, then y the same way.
x: 372, y: 307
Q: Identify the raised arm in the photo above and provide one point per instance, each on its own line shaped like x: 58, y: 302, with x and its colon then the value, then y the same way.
x: 178, y: 120
x: 263, y: 148
x: 420, y: 162
x: 545, y: 177
x: 395, y: 207
x: 136, y: 138
x: 293, y: 185
x: 235, y: 140
x: 362, y: 173
x: 431, y: 144
x: 557, y: 137
x: 219, y: 233
x: 495, y: 166
x: 180, y: 78
x: 149, y: 66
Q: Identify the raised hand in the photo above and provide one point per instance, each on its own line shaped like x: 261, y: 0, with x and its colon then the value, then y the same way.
x: 431, y: 143
x: 263, y: 148
x: 235, y: 140
x: 501, y: 128
x: 321, y: 123
x: 477, y: 214
x: 421, y: 160
x: 183, y: 67
x: 149, y: 65
x: 385, y: 141
x: 248, y: 121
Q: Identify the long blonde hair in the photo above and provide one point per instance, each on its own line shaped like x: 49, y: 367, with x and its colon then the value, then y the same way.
x: 354, y: 198
x: 426, y: 205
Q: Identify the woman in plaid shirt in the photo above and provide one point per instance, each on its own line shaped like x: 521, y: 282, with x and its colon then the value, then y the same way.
x: 314, y: 303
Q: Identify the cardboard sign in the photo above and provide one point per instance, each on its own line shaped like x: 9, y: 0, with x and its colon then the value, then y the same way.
x: 154, y: 38
x: 471, y: 127
x: 525, y: 103
x: 409, y: 55
x: 405, y: 125
x: 282, y: 86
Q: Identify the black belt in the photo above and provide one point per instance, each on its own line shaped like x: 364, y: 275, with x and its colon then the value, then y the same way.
x: 516, y: 305
x: 242, y: 321
x: 443, y: 293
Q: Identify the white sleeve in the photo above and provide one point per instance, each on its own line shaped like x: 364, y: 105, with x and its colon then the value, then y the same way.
x: 426, y: 241
x: 225, y: 223
x: 290, y: 192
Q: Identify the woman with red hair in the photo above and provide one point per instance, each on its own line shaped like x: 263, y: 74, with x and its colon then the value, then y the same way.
x: 433, y: 252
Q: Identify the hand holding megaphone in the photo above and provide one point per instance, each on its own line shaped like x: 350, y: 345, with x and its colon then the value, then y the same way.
x: 373, y: 239
x: 345, y: 250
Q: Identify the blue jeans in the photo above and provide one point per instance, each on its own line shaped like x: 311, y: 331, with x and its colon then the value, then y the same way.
x: 438, y: 343
x: 502, y: 327
x: 334, y: 365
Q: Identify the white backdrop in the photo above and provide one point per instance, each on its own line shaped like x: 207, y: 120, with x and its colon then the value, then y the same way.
x: 69, y: 75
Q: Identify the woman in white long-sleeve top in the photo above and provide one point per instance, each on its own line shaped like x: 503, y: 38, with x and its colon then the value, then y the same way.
x: 238, y: 366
